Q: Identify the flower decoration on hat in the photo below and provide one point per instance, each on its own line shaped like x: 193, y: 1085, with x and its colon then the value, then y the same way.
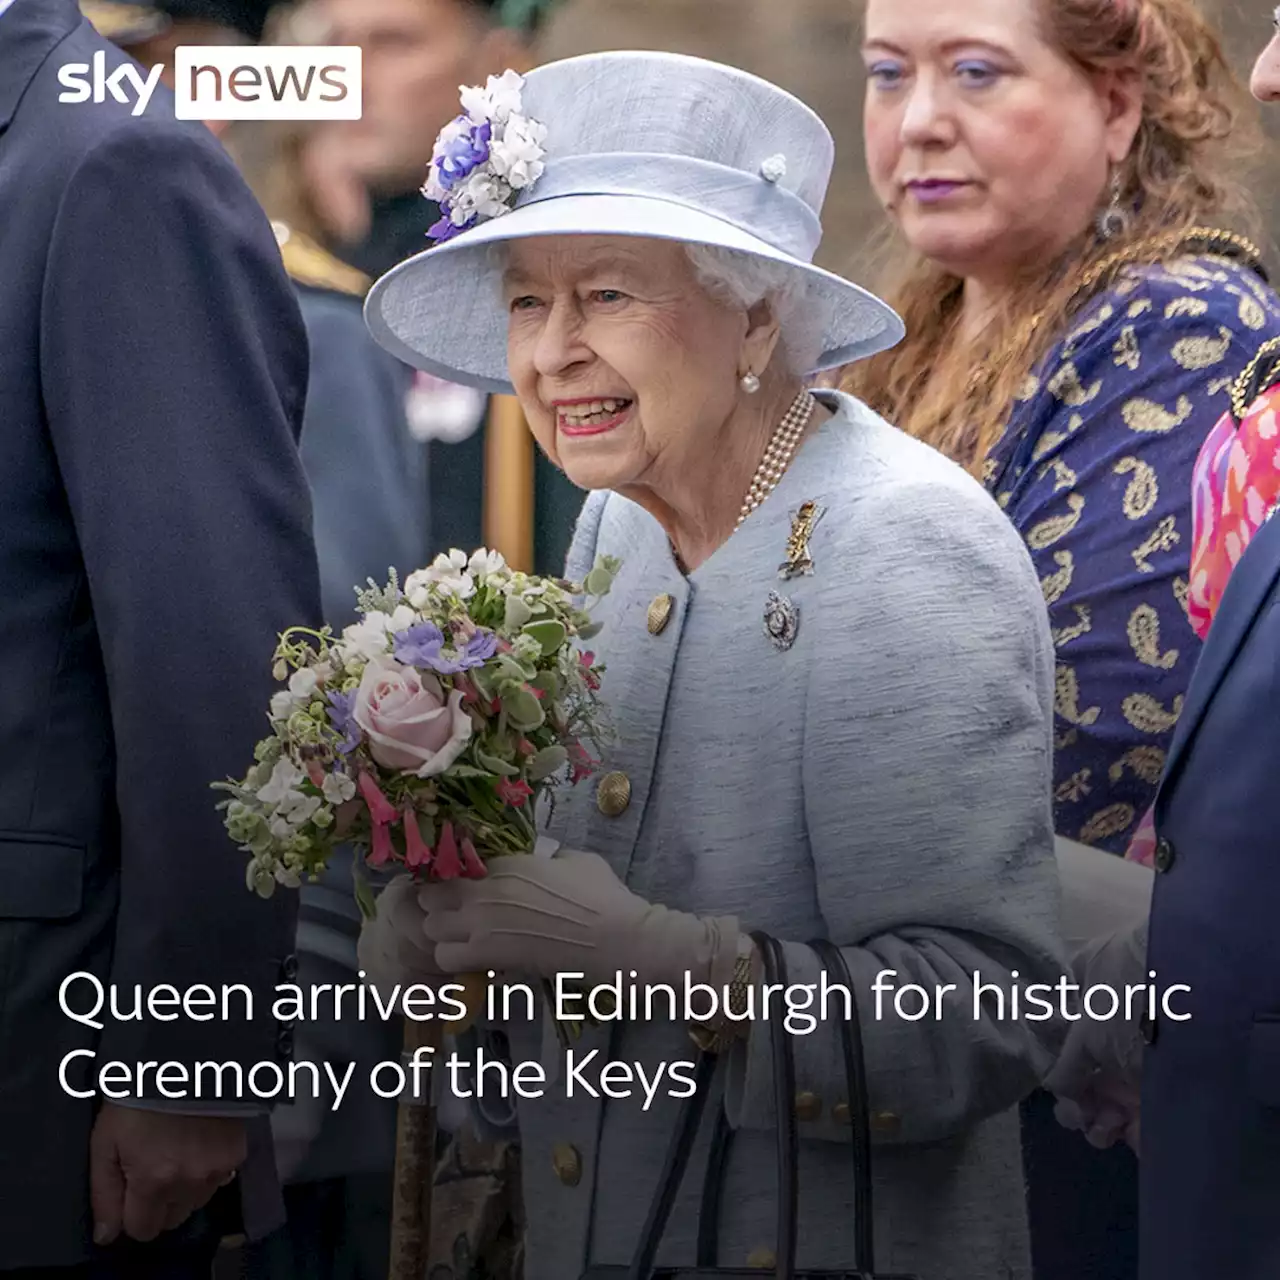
x: 484, y: 157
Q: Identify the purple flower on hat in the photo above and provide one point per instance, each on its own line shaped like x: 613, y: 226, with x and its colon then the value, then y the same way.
x: 459, y: 155
x: 446, y: 229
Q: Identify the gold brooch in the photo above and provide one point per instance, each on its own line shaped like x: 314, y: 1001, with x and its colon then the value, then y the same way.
x: 799, y: 561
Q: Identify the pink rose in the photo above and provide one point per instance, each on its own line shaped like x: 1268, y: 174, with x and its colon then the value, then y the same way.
x: 410, y: 723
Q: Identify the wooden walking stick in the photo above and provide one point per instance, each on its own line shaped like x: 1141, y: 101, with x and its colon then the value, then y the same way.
x: 415, y: 1160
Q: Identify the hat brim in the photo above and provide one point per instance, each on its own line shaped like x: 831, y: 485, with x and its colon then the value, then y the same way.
x: 441, y: 310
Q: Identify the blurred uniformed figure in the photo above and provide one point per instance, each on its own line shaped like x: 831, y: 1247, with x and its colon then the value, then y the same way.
x: 416, y: 55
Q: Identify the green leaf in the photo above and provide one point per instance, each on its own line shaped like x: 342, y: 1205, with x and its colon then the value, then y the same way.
x: 548, y: 761
x: 517, y: 613
x: 590, y: 631
x: 364, y: 894
x: 494, y: 765
x: 549, y: 634
x: 524, y: 711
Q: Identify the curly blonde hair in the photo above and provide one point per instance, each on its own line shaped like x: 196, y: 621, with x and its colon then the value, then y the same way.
x: 1186, y: 169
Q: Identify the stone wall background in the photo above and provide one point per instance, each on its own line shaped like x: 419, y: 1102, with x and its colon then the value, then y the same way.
x: 810, y: 47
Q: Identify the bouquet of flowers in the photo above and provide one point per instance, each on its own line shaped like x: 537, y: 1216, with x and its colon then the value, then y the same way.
x: 429, y: 731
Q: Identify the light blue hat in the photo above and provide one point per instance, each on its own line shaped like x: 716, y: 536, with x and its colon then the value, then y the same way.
x: 634, y: 144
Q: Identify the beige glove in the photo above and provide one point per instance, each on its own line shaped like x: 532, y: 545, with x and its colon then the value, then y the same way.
x: 393, y: 948
x: 571, y: 914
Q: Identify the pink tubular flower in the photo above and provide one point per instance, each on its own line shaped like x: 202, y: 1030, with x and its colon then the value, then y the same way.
x: 417, y: 853
x: 526, y: 748
x: 382, y: 851
x: 469, y: 692
x: 588, y: 661
x: 315, y: 771
x: 514, y: 791
x: 380, y: 809
x: 537, y: 693
x: 582, y: 764
x: 472, y: 867
x: 447, y: 865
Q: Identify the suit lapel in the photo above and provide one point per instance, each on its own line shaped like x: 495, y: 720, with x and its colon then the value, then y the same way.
x: 1246, y: 593
x: 29, y: 31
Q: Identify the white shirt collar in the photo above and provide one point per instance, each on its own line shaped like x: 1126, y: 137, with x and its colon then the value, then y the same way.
x: 4, y: 4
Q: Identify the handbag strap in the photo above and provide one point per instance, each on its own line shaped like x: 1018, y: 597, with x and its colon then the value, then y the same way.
x: 855, y: 1070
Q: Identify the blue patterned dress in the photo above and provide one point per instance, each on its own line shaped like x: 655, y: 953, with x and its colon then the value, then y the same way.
x: 1095, y: 469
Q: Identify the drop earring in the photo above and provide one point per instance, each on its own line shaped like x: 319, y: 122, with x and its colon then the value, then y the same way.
x: 750, y: 383
x: 1113, y: 221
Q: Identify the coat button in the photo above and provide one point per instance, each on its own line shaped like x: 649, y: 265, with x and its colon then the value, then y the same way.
x: 886, y: 1122
x: 1164, y: 854
x: 808, y: 1106
x: 660, y: 613
x: 567, y: 1163
x: 289, y: 968
x: 763, y: 1257
x: 840, y: 1113
x: 613, y: 794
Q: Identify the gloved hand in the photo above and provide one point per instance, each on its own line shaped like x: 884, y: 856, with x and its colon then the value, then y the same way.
x: 1097, y: 1078
x: 571, y: 914
x: 393, y: 947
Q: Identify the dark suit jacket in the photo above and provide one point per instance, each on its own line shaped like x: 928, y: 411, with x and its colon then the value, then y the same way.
x: 1210, y: 1163
x: 154, y: 539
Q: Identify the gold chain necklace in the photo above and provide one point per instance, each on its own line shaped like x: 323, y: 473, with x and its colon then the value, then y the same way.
x: 777, y: 457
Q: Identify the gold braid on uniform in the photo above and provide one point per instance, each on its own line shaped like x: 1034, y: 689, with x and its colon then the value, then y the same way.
x: 1259, y: 375
x: 311, y: 264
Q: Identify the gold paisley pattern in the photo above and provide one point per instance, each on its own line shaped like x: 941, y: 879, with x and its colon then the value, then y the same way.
x: 1028, y: 389
x: 1147, y: 715
x: 1126, y: 352
x: 1110, y: 821
x: 1164, y: 537
x: 1094, y: 470
x: 1056, y: 585
x: 1201, y: 353
x: 1067, y: 699
x: 1075, y: 788
x: 1047, y: 532
x: 1143, y: 492
x: 1146, y: 762
x: 1149, y: 418
x: 1144, y: 639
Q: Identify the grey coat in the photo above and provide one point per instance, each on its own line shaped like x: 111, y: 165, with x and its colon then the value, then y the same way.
x: 884, y: 783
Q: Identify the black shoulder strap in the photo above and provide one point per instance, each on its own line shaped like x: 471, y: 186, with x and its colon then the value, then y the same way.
x: 1259, y: 375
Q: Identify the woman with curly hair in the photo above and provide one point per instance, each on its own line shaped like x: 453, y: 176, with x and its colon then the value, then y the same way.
x: 1062, y: 175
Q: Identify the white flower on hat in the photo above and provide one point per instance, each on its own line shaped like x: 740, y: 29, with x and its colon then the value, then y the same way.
x: 498, y: 100
x: 481, y: 196
x: 517, y: 157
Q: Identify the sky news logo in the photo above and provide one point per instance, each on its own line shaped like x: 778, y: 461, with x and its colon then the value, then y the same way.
x: 232, y: 82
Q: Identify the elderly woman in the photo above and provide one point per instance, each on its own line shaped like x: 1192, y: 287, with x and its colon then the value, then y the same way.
x: 854, y: 746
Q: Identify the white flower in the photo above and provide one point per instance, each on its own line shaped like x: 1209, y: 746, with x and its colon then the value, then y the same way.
x: 485, y: 564
x: 482, y: 195
x: 297, y: 808
x: 282, y: 705
x: 280, y: 828
x: 497, y: 100
x: 302, y: 684
x: 371, y: 637
x: 774, y: 169
x: 338, y: 788
x: 447, y: 573
x: 285, y: 776
x: 517, y: 155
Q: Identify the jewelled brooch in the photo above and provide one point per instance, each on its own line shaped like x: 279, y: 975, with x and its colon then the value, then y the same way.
x: 781, y: 621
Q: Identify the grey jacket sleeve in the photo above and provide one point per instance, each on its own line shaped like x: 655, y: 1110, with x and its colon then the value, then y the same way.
x: 951, y: 812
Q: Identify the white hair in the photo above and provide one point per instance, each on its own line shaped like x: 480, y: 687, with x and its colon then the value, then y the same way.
x: 741, y: 279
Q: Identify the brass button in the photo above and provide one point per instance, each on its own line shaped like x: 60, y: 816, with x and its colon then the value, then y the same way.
x: 567, y: 1163
x: 660, y: 613
x: 886, y: 1122
x: 613, y: 794
x: 1164, y: 854
x: 808, y: 1106
x: 762, y: 1257
x: 840, y: 1113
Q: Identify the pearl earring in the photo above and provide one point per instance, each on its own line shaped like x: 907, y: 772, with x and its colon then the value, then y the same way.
x: 750, y: 383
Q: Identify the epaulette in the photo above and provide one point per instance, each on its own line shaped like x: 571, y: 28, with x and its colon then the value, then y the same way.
x: 1259, y: 375
x: 310, y: 264
x: 123, y: 23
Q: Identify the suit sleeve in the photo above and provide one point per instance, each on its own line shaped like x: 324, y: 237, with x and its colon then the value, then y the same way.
x: 926, y: 770
x: 174, y: 371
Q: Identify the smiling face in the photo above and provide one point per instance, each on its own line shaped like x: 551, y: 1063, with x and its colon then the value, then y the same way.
x: 989, y: 148
x: 626, y: 368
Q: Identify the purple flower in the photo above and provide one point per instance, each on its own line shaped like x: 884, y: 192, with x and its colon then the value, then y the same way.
x: 420, y: 645
x: 342, y: 717
x: 446, y: 229
x: 458, y: 158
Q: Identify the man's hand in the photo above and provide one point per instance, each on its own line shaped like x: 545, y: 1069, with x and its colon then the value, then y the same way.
x: 149, y: 1171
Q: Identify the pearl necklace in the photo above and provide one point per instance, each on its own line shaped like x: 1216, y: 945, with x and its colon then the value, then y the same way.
x: 777, y: 457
